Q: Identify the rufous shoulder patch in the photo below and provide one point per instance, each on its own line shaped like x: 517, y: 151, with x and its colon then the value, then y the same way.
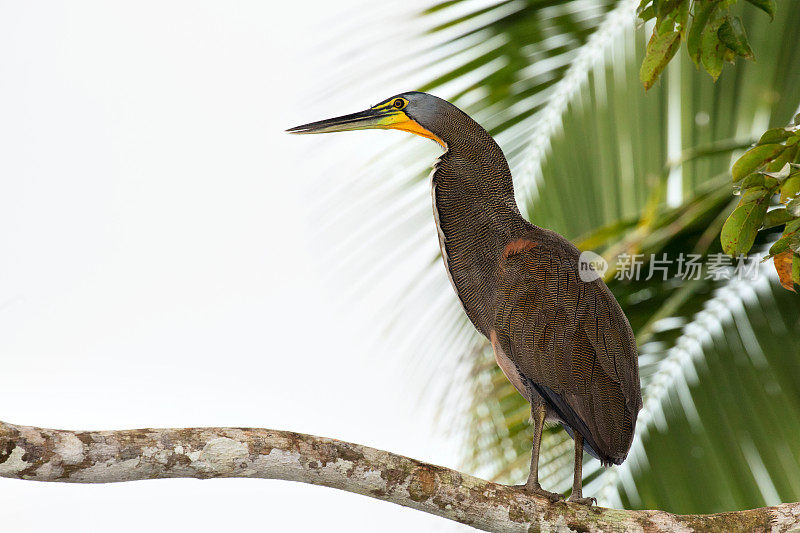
x: 518, y: 246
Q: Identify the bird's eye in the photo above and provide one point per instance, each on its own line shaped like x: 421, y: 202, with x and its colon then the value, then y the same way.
x: 399, y: 103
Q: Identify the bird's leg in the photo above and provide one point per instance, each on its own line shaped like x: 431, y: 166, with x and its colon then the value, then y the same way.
x: 577, y: 482
x: 538, y: 413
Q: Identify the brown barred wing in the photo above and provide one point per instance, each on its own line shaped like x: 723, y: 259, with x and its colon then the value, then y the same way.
x: 574, y: 345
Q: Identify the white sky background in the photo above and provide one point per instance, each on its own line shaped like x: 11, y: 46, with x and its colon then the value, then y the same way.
x: 161, y: 262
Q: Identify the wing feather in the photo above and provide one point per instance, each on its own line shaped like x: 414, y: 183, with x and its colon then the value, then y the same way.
x: 571, y: 340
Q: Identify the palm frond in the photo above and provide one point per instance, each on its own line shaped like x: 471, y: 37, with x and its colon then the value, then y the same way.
x: 704, y: 412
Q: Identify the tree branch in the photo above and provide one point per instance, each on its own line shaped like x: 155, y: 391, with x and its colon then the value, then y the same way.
x: 128, y: 455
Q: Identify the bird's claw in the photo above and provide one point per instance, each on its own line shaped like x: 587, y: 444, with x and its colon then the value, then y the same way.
x: 583, y: 501
x: 539, y: 491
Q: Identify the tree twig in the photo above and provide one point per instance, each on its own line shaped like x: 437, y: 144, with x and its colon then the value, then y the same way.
x: 111, y: 456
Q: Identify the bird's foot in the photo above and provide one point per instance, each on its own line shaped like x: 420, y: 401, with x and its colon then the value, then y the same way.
x: 582, y: 501
x: 537, y: 490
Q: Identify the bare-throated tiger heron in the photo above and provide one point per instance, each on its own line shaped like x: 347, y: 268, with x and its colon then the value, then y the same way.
x: 563, y: 342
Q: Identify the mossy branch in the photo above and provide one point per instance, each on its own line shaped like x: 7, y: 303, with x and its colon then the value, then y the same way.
x: 37, y: 454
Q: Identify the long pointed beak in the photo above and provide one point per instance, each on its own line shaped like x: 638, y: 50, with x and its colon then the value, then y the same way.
x: 371, y: 118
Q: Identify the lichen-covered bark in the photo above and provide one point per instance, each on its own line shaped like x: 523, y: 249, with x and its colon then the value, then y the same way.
x: 110, y: 456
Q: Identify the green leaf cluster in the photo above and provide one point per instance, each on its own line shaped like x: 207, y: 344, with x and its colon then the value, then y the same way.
x: 770, y: 168
x: 712, y: 34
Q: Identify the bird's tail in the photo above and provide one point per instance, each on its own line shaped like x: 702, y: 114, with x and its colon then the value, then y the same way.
x: 572, y: 422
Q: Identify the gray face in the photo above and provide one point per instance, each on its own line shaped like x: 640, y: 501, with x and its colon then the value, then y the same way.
x: 426, y: 109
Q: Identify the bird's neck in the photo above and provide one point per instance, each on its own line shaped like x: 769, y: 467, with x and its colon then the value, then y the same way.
x: 476, y: 217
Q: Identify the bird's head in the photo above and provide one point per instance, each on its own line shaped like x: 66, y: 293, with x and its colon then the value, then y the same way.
x: 413, y: 112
